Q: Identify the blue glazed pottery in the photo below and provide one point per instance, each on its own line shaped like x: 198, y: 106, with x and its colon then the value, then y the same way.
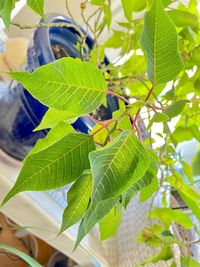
x: 20, y: 113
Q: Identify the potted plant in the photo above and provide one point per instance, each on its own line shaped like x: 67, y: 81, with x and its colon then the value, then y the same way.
x: 155, y: 79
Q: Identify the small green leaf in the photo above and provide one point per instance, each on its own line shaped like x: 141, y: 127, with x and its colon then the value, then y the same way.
x: 52, y: 117
x: 109, y: 225
x: 107, y: 15
x: 128, y: 9
x: 93, y: 215
x: 158, y: 117
x: 196, y: 164
x: 5, y: 12
x: 149, y: 190
x: 167, y: 216
x: 181, y: 134
x: 117, y: 166
x: 53, y: 136
x: 37, y: 6
x: 30, y: 261
x: 165, y: 2
x: 187, y: 169
x: 187, y: 193
x: 97, y: 2
x: 77, y: 200
x: 164, y: 255
x: 176, y: 109
x: 129, y: 6
x: 55, y: 166
x: 195, y: 132
x: 183, y: 18
x: 66, y: 85
x: 159, y: 41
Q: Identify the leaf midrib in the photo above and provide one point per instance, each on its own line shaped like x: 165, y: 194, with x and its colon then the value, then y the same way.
x: 79, y: 202
x: 155, y: 40
x: 71, y: 85
x: 86, y: 140
x: 109, y: 165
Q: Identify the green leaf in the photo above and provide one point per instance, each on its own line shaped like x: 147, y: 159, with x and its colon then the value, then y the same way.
x: 53, y: 167
x: 53, y: 136
x: 164, y: 255
x: 183, y: 18
x: 188, y: 262
x: 30, y: 261
x: 148, y: 178
x: 66, y: 84
x: 158, y: 117
x: 5, y: 12
x: 128, y: 9
x: 181, y: 134
x: 165, y: 2
x: 187, y: 193
x: 77, y: 200
x: 149, y: 190
x: 167, y: 216
x: 176, y: 108
x: 129, y: 6
x: 52, y: 117
x: 107, y: 15
x: 196, y: 164
x: 95, y: 213
x: 37, y: 6
x: 195, y: 132
x: 159, y: 41
x: 97, y: 2
x: 117, y: 166
x: 110, y: 224
x: 187, y: 169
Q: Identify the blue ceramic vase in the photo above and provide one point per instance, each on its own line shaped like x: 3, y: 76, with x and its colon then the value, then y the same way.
x: 20, y: 113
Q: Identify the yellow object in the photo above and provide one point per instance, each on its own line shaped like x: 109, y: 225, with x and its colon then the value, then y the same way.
x: 15, y: 52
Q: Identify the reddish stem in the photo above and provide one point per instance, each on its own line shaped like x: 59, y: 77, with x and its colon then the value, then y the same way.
x: 94, y: 120
x: 138, y: 132
x: 119, y: 97
x: 138, y: 112
x: 104, y: 126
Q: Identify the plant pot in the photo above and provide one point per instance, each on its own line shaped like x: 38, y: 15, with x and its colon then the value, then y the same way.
x: 20, y: 113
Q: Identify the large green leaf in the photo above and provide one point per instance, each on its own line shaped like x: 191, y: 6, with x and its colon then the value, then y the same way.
x: 30, y: 261
x: 66, y: 84
x: 109, y: 225
x: 77, y: 200
x: 117, y: 166
x: 159, y: 41
x: 145, y: 181
x: 55, y: 166
x: 37, y: 6
x: 6, y: 8
x: 95, y: 213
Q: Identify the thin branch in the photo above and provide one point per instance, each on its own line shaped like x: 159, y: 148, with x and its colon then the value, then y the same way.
x: 119, y: 97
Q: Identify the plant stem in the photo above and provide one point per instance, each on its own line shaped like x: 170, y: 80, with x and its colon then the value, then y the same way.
x: 119, y: 97
x: 138, y: 112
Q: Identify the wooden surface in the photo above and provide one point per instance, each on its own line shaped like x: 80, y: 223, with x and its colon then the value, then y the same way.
x: 7, y: 237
